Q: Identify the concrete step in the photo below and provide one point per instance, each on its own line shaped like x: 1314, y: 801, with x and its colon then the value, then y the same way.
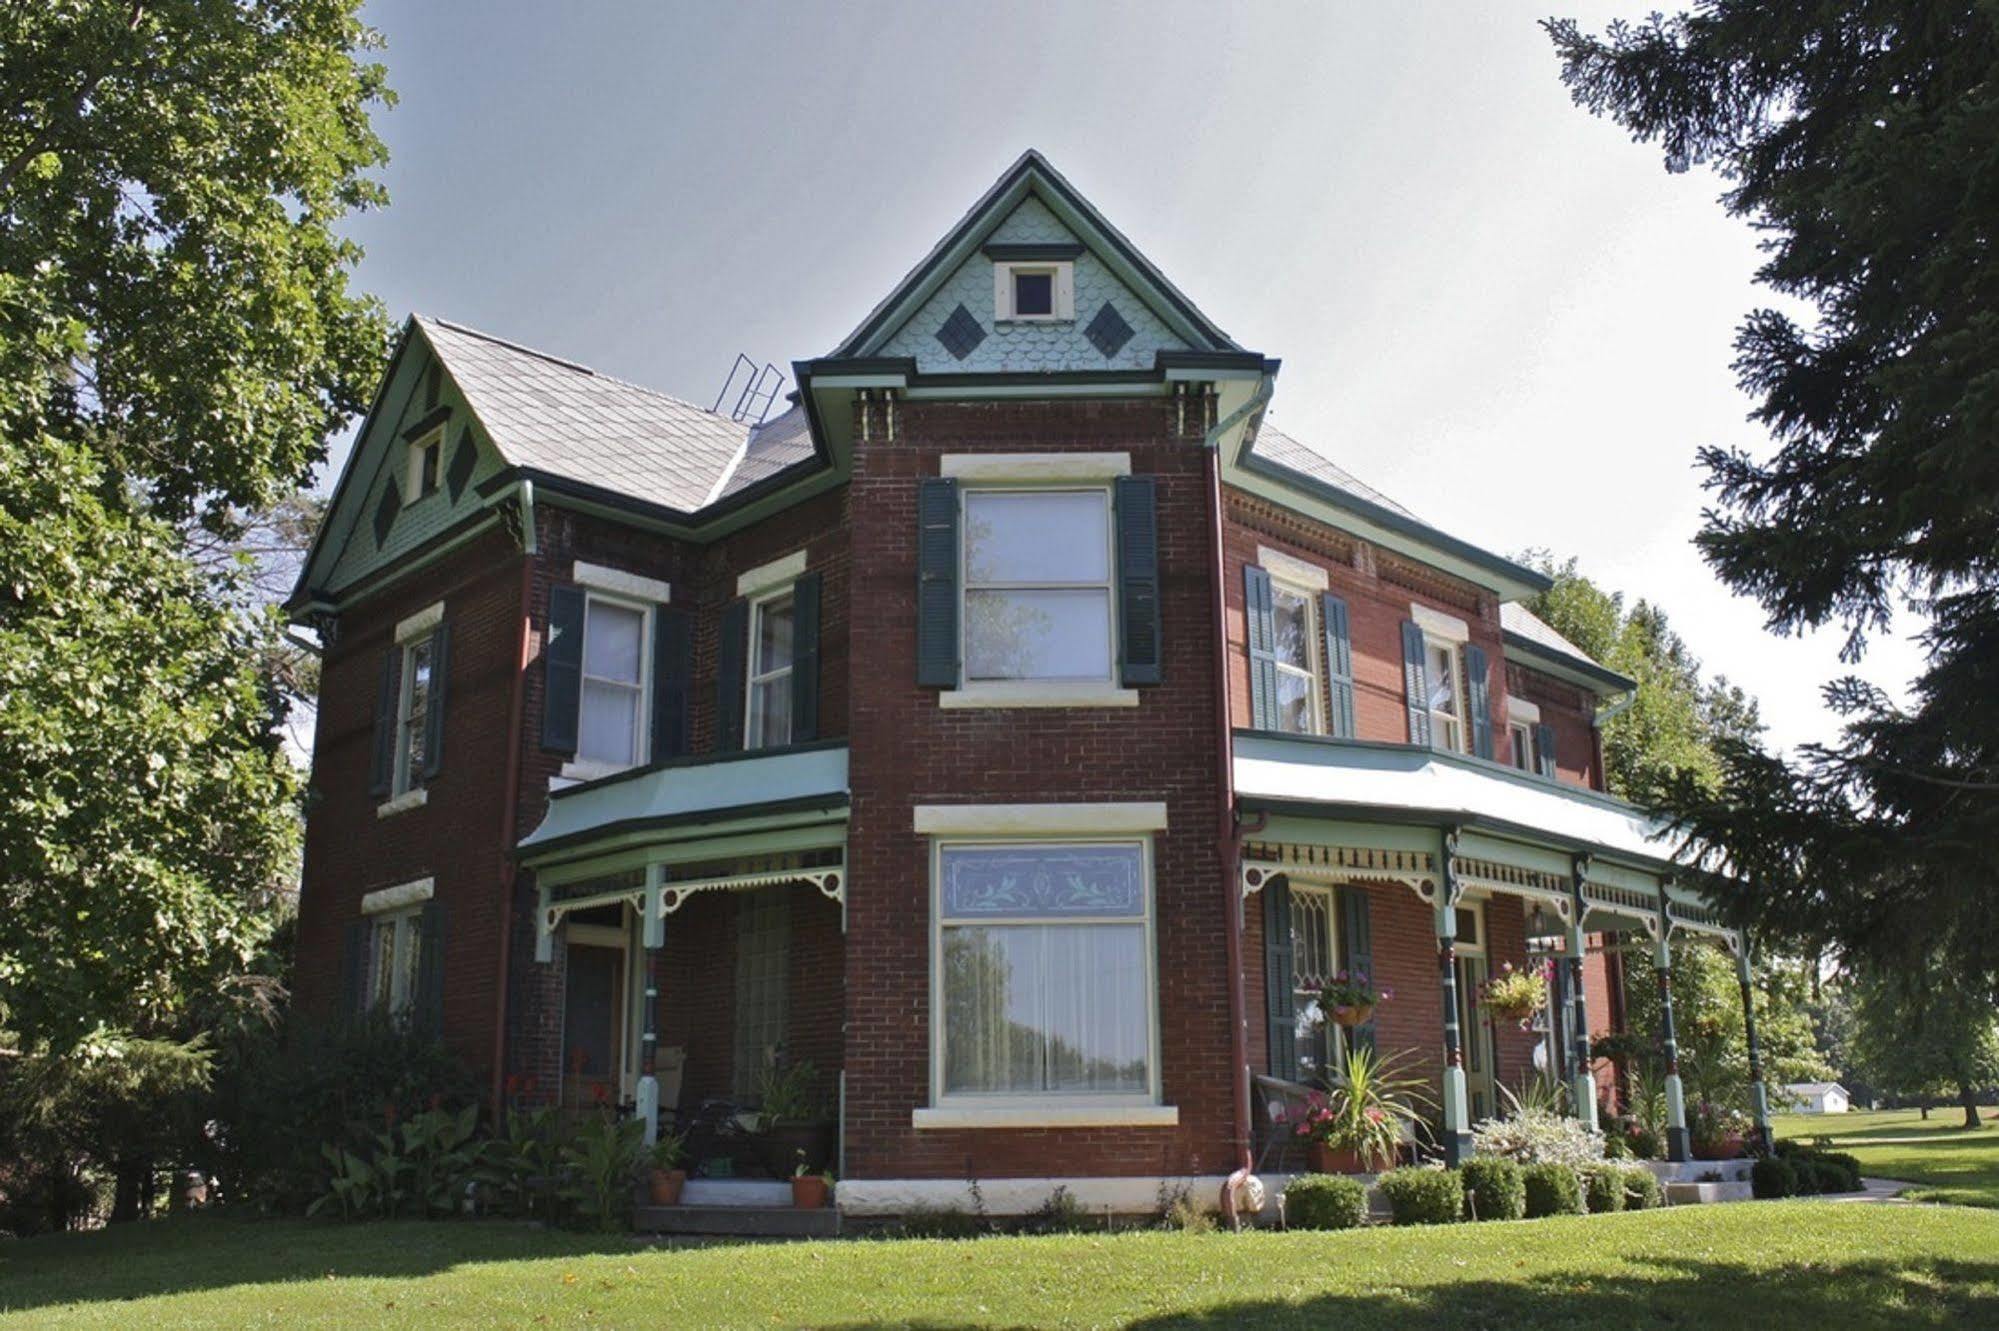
x: 748, y: 1221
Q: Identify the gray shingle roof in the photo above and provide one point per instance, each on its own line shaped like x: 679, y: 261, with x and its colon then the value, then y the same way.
x: 1518, y: 619
x: 567, y: 420
x: 1276, y: 446
x: 780, y: 442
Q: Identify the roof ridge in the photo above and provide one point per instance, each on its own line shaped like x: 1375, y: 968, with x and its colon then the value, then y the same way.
x: 578, y: 366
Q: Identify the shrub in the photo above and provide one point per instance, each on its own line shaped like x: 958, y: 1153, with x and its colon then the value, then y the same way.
x: 1493, y: 1189
x: 1538, y: 1136
x: 1190, y: 1217
x: 942, y: 1222
x: 600, y: 1170
x: 1419, y: 1195
x: 1325, y: 1201
x: 1603, y: 1187
x: 1641, y: 1189
x: 1816, y: 1174
x: 1773, y: 1176
x: 1552, y: 1189
x: 1849, y: 1169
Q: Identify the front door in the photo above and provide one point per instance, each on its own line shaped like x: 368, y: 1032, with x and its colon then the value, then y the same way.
x: 593, y: 1023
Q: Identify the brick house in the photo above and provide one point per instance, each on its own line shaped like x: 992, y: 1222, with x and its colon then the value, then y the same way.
x: 1014, y: 727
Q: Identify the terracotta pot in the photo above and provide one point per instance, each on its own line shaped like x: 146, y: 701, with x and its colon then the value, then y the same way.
x: 1721, y: 1148
x: 1326, y: 1159
x: 1358, y: 1014
x: 664, y: 1185
x: 809, y: 1191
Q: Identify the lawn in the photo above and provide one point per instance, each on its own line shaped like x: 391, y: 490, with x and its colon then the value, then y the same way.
x: 1954, y: 1163
x: 1763, y: 1264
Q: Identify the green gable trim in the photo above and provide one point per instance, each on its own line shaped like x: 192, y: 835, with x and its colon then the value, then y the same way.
x: 429, y: 421
x: 1052, y: 252
x: 1031, y: 174
x: 1571, y: 668
x: 1388, y: 519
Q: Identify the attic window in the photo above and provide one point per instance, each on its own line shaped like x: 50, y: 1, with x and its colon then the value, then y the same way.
x: 426, y: 464
x: 1034, y: 292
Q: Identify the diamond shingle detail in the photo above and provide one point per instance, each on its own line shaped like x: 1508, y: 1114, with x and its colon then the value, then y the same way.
x: 1108, y: 332
x: 961, y: 333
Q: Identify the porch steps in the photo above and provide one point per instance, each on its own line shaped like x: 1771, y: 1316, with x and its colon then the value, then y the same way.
x: 743, y: 1221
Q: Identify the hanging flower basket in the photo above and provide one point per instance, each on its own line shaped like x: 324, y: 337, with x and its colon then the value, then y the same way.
x: 1353, y: 1014
x: 1514, y: 995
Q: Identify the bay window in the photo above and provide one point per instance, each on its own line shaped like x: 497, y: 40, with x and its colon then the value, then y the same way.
x: 1044, y: 973
x: 1037, y: 580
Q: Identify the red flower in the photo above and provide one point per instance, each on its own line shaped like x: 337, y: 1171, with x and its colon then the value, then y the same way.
x: 436, y: 1101
x: 602, y: 1093
x: 513, y: 1082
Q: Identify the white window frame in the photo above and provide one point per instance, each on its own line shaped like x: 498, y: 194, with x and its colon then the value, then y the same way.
x: 582, y: 767
x: 762, y: 601
x: 1031, y: 1109
x: 1336, y: 1035
x: 395, y: 991
x: 1455, y: 655
x: 1061, y: 290
x: 1108, y: 583
x: 419, y: 471
x: 404, y: 779
x: 1521, y: 718
x: 1314, y: 672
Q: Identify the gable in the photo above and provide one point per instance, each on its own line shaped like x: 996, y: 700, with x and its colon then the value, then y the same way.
x: 376, y: 519
x: 1012, y: 347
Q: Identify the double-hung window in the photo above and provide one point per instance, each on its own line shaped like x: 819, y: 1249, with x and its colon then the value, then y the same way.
x: 1294, y: 618
x: 611, y: 726
x: 413, y: 712
x: 426, y: 464
x: 1444, y: 676
x: 1044, y: 973
x: 1522, y: 736
x: 395, y: 953
x: 772, y: 619
x: 1037, y: 580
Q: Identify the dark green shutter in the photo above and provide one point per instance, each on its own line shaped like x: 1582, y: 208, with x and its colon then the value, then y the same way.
x: 672, y: 682
x: 354, y: 969
x: 427, y: 1007
x: 1544, y: 741
x: 433, y: 717
x: 1357, y: 951
x: 731, y: 658
x: 1279, y: 1001
x: 937, y: 582
x: 463, y: 463
x: 382, y: 761
x: 1260, y: 624
x: 1481, y: 701
x: 1136, y: 502
x: 805, y: 658
x: 1415, y: 683
x: 1339, y: 666
x: 562, y: 669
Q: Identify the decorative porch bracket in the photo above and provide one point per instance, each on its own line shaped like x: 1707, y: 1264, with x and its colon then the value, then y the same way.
x: 1457, y: 1114
x: 1582, y: 1087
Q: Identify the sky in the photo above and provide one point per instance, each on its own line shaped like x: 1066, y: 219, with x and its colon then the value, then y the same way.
x: 1489, y: 305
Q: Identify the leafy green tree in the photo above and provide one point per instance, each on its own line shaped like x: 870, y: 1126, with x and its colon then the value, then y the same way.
x: 1859, y: 139
x: 1922, y: 1036
x: 1707, y: 1019
x: 173, y: 286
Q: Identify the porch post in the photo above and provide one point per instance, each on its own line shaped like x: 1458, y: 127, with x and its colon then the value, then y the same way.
x: 1457, y: 1131
x: 1759, y: 1095
x: 653, y: 936
x: 1677, y: 1143
x: 1582, y: 1091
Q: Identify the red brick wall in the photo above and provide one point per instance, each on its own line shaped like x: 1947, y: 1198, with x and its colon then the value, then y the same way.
x: 455, y: 836
x: 1378, y: 588
x: 908, y: 751
x: 1572, y: 714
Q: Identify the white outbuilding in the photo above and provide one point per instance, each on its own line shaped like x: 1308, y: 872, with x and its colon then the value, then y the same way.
x: 1818, y: 1097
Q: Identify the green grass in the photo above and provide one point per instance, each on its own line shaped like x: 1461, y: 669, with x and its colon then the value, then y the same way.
x: 1763, y: 1265
x: 1954, y: 1163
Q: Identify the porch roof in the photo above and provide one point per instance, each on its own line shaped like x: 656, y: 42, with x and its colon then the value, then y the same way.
x: 1404, y: 783
x: 690, y: 797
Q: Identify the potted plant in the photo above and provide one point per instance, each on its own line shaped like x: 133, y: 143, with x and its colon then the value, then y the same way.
x: 791, y: 1119
x: 1350, y: 997
x: 1718, y: 1132
x: 1514, y: 994
x: 666, y: 1178
x: 1358, y: 1126
x: 810, y: 1188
